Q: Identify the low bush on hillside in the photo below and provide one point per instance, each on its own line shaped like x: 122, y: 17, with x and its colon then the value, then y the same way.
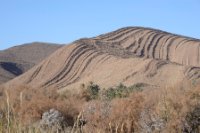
x: 121, y: 91
x: 93, y: 91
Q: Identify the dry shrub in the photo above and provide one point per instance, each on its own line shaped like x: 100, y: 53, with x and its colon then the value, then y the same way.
x: 97, y: 115
x: 28, y: 104
x: 153, y: 110
x: 180, y: 104
x: 126, y: 113
x: 118, y: 115
x: 69, y: 107
x: 172, y: 104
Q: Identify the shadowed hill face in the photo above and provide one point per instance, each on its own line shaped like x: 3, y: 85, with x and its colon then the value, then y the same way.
x: 129, y: 55
x: 17, y: 60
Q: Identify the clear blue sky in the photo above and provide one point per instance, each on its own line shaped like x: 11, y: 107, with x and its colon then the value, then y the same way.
x: 63, y: 21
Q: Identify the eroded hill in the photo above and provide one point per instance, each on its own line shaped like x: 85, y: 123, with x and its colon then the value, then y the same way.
x: 128, y: 55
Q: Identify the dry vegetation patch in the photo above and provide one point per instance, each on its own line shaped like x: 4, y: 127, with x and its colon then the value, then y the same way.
x: 93, y: 109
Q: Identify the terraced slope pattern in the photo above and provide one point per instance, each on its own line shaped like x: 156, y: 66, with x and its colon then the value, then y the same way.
x: 17, y: 60
x: 129, y: 55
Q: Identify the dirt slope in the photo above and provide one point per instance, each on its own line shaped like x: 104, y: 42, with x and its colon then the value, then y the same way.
x: 17, y: 60
x: 129, y: 55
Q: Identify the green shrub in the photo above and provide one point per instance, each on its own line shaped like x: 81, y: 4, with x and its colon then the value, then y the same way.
x: 93, y: 90
x: 110, y: 93
x: 122, y: 91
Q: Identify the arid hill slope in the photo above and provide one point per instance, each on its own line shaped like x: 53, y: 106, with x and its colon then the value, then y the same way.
x: 128, y: 55
x: 17, y: 60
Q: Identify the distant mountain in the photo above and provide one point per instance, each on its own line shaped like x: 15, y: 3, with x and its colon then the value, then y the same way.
x: 17, y: 60
x: 129, y: 55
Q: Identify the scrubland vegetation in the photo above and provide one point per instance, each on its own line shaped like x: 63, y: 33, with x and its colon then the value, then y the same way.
x: 120, y: 109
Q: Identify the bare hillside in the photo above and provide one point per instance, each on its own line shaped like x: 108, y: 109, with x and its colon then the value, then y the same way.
x: 17, y: 60
x: 129, y: 55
